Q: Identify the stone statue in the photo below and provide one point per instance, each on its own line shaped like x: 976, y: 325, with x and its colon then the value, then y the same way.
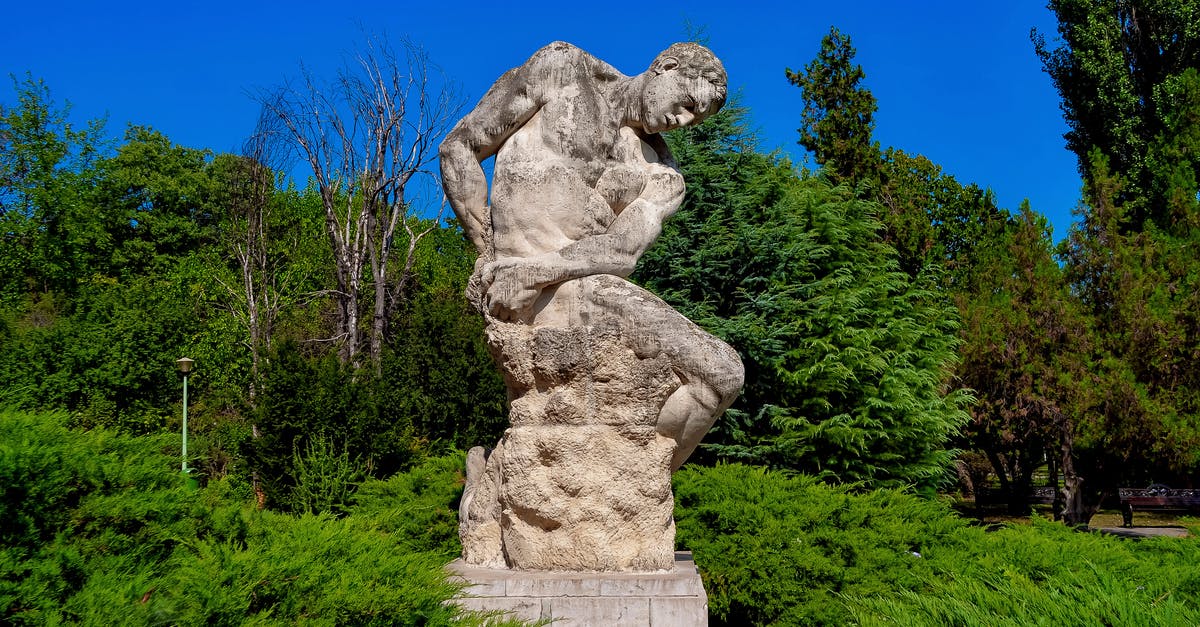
x: 610, y: 388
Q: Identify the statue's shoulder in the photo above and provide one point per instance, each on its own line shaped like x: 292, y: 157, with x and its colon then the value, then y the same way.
x: 566, y: 62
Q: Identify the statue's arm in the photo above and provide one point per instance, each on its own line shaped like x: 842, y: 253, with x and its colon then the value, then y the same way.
x: 506, y: 107
x: 515, y: 282
x: 617, y: 250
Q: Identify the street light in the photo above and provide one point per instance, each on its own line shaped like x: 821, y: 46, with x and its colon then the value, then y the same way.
x: 185, y: 366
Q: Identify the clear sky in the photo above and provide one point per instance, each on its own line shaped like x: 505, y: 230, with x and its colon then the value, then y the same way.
x: 956, y: 81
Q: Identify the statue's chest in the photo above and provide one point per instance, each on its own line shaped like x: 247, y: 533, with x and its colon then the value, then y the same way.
x: 578, y: 129
x: 566, y: 140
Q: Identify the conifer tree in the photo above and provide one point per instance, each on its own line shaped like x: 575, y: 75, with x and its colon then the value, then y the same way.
x: 846, y: 356
x: 837, y: 121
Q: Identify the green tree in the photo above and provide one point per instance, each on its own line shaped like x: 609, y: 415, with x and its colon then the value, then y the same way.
x: 157, y: 198
x: 438, y: 367
x: 1027, y: 355
x: 1120, y: 70
x: 837, y: 120
x: 1175, y: 153
x: 928, y: 216
x: 1127, y: 74
x: 933, y: 220
x: 47, y: 164
x: 1143, y: 289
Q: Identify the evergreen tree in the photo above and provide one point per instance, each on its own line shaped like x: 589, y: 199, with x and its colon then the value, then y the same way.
x: 1127, y: 74
x: 1143, y: 288
x: 1027, y: 356
x: 928, y: 216
x: 933, y: 220
x: 838, y: 116
x: 846, y: 356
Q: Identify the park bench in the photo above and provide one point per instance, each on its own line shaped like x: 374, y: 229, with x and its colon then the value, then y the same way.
x: 1157, y: 498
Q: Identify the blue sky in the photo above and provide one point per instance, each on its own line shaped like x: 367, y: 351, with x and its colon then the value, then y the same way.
x: 956, y: 81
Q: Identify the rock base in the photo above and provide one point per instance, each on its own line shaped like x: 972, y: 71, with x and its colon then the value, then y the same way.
x: 582, y: 479
x: 673, y: 597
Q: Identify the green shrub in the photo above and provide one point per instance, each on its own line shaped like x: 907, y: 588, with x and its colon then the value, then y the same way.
x: 303, y: 400
x: 98, y: 528
x: 315, y: 569
x: 779, y: 549
x: 325, y: 478
x: 419, y: 507
x: 774, y: 548
x: 1048, y: 574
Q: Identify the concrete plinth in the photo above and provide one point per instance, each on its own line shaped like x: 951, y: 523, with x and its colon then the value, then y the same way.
x: 658, y: 599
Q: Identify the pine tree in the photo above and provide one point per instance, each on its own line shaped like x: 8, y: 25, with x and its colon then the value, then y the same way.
x: 838, y: 116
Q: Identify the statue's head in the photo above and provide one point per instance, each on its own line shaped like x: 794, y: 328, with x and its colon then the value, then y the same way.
x: 685, y: 84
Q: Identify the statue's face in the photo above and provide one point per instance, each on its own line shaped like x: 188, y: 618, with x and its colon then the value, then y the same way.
x: 671, y: 100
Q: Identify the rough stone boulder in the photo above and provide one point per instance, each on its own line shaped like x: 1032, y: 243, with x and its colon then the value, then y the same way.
x: 582, y: 479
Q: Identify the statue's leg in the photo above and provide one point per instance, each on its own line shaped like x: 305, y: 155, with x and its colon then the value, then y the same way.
x: 710, y: 370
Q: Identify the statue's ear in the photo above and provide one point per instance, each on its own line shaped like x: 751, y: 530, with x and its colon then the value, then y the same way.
x: 665, y: 64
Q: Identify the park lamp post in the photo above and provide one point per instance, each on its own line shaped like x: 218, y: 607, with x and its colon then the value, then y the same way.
x: 185, y: 366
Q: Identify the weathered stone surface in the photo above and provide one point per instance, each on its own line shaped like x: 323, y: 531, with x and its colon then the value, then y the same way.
x: 616, y: 516
x: 671, y: 598
x: 583, y: 488
x: 580, y: 375
x: 610, y: 389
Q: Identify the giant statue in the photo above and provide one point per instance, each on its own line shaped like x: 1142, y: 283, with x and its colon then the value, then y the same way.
x: 610, y: 389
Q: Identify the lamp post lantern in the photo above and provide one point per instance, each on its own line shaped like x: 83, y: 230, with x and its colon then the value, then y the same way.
x: 185, y: 366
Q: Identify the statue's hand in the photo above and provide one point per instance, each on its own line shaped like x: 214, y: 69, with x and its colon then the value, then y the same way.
x: 476, y: 289
x: 511, y: 290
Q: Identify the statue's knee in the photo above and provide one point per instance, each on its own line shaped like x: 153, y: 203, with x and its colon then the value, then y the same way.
x: 728, y: 377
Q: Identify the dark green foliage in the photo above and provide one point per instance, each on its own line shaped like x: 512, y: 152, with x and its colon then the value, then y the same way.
x: 438, y: 369
x: 1127, y: 74
x: 110, y: 359
x: 866, y: 352
x: 46, y: 172
x: 1028, y: 355
x: 846, y: 356
x: 325, y: 477
x: 418, y: 507
x: 304, y: 400
x: 779, y: 549
x: 99, y: 529
x: 156, y: 199
x: 48, y: 470
x: 1174, y: 158
x: 1142, y: 289
x: 1048, y: 574
x: 311, y: 568
x: 838, y: 116
x: 933, y: 220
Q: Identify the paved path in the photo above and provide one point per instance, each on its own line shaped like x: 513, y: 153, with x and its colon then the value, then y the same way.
x: 1144, y: 532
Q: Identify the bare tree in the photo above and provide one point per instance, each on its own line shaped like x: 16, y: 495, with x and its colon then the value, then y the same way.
x: 366, y: 136
x: 269, y: 277
x: 268, y: 280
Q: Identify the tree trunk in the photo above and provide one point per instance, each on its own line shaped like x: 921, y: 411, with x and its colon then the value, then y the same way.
x: 1076, y: 511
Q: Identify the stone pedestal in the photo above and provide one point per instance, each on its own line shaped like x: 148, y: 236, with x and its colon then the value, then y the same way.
x: 672, y: 598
